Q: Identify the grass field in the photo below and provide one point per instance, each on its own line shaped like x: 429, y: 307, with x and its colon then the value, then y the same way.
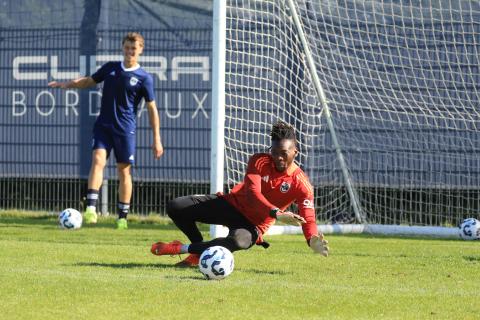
x: 101, y: 273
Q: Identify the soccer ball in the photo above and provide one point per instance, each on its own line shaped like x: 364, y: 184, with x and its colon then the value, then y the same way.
x: 216, y: 263
x: 470, y: 229
x: 70, y: 219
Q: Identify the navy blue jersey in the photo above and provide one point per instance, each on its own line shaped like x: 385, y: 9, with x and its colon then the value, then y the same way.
x: 123, y: 89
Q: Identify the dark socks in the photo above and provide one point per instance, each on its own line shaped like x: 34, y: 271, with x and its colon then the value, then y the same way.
x: 123, y: 209
x: 92, y: 197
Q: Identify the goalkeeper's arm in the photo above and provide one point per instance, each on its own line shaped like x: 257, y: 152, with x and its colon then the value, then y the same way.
x: 314, y: 238
x: 287, y: 217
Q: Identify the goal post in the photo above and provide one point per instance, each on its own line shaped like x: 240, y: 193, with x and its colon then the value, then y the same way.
x: 384, y: 97
x: 218, y: 105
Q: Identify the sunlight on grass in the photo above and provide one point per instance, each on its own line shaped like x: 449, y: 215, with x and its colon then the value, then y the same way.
x: 98, y: 272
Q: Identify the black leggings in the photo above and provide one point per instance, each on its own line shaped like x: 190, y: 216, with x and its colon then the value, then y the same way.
x: 211, y: 209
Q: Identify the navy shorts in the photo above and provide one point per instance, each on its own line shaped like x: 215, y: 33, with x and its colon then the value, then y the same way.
x: 123, y: 146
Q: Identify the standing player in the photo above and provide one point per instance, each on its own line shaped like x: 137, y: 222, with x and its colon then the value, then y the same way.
x: 272, y: 182
x: 125, y: 84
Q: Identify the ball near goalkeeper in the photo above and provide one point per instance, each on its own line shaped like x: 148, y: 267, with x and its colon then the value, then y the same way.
x: 272, y: 183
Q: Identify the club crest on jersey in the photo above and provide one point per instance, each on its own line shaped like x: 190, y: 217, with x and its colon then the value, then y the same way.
x: 133, y: 81
x: 284, y: 187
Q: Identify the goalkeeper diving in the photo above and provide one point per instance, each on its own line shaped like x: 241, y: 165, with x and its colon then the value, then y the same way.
x: 272, y: 183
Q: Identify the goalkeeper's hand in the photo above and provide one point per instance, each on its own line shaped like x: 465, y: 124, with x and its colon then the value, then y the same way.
x: 319, y: 245
x: 290, y: 218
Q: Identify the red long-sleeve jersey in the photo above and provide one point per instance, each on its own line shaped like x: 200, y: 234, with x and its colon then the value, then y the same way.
x: 264, y: 188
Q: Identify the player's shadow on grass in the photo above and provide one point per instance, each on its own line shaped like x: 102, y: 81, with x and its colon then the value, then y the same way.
x: 270, y: 272
x: 472, y: 258
x: 172, y: 266
x: 139, y: 265
x: 132, y: 265
x: 129, y: 265
x: 198, y: 278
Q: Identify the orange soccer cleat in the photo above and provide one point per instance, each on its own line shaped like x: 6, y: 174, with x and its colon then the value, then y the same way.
x: 191, y: 261
x: 164, y: 248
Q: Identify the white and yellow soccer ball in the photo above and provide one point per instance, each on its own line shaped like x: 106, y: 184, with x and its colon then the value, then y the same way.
x: 70, y: 219
x: 469, y: 229
x: 216, y: 263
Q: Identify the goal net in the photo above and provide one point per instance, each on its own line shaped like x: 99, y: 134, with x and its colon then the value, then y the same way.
x: 395, y: 139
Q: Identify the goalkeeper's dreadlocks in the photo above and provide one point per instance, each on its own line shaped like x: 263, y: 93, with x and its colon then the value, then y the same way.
x: 282, y: 130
